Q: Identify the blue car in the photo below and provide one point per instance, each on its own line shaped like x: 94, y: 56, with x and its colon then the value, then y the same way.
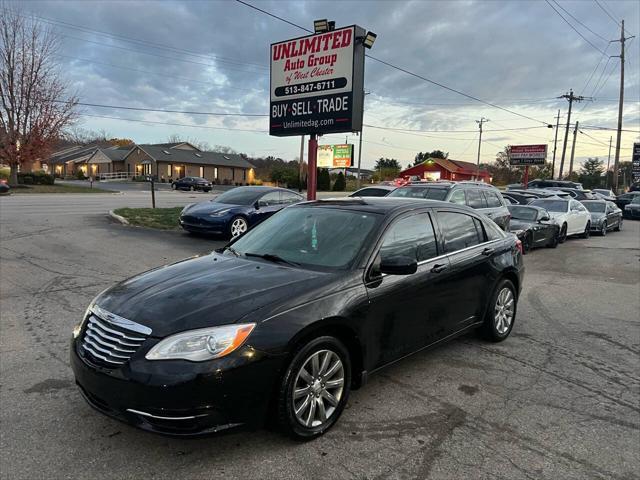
x: 236, y: 211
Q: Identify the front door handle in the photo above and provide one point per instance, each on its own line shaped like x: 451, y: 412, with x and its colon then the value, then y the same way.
x: 488, y: 251
x: 438, y: 267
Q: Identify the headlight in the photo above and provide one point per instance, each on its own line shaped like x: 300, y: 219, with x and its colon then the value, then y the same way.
x: 219, y: 213
x: 202, y: 344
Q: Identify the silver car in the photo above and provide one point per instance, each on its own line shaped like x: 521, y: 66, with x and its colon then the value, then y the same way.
x: 605, y: 216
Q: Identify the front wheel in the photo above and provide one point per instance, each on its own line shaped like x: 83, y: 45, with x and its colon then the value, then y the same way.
x: 238, y: 226
x: 619, y: 225
x: 501, y: 313
x: 563, y: 233
x: 527, y: 243
x: 603, y: 229
x: 315, y: 388
x: 587, y: 231
x: 174, y: 186
x: 553, y: 243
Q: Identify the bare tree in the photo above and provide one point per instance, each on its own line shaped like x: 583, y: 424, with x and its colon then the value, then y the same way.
x: 35, y: 102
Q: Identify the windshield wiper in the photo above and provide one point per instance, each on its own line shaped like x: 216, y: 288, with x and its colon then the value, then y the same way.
x: 271, y: 257
x: 232, y: 250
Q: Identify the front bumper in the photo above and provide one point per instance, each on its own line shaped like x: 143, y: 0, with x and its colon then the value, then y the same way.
x: 181, y: 398
x: 201, y: 224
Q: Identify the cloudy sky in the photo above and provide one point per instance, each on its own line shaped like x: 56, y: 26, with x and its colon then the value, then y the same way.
x: 213, y: 56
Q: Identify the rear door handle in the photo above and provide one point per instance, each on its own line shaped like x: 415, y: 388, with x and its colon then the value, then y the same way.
x: 488, y: 251
x: 438, y: 267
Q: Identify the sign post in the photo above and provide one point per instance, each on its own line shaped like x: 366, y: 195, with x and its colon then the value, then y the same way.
x: 316, y: 88
x: 525, y: 156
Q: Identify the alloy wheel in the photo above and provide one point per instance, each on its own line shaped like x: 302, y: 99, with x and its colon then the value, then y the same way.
x: 238, y: 227
x: 503, y: 312
x: 563, y: 233
x: 603, y: 230
x: 318, y: 388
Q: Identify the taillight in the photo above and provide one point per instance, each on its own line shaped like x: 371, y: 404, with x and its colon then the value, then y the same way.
x: 519, y: 247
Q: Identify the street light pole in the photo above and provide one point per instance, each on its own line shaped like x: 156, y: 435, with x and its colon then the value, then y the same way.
x: 479, y: 122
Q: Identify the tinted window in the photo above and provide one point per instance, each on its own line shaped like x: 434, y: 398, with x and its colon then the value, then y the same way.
x: 288, y: 198
x: 595, y: 207
x: 433, y: 193
x: 551, y: 205
x: 493, y: 231
x: 411, y: 237
x: 270, y: 199
x: 311, y: 236
x: 457, y: 197
x: 371, y: 192
x: 509, y: 199
x: 459, y: 231
x: 239, y: 196
x: 475, y: 199
x: 493, y: 200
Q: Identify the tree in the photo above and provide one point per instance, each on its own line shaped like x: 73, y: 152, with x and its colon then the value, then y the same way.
x: 35, y: 103
x: 591, y: 173
x: 324, y: 180
x: 387, y: 169
x: 340, y: 184
x: 421, y: 157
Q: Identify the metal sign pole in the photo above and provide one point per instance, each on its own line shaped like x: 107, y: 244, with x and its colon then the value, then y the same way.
x: 312, y: 180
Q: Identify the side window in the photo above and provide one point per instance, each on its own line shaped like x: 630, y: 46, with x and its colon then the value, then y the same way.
x: 411, y: 237
x: 457, y: 197
x: 493, y: 231
x: 493, y: 201
x: 367, y: 192
x: 287, y: 198
x: 378, y: 192
x: 459, y: 231
x: 269, y: 199
x: 475, y: 199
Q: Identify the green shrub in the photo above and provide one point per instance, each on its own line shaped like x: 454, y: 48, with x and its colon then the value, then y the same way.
x: 139, y: 178
x: 35, y: 178
x: 324, y: 180
x: 4, y: 173
x: 80, y: 175
x: 340, y: 184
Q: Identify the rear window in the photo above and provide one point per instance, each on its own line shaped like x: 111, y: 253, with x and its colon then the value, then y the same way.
x: 430, y: 193
x: 595, y: 207
x: 475, y: 199
x: 522, y: 213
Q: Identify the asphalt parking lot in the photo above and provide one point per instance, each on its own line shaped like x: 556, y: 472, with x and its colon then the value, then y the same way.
x: 560, y: 399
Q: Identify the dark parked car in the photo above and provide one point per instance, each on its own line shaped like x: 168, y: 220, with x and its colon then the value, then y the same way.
x: 290, y: 317
x: 632, y: 209
x: 540, y: 193
x: 374, y: 191
x: 605, y: 216
x: 5, y: 189
x: 518, y: 198
x: 576, y: 193
x: 192, y: 183
x: 537, y: 183
x: 477, y: 195
x: 625, y: 199
x: 534, y: 227
x: 236, y: 211
x: 605, y: 194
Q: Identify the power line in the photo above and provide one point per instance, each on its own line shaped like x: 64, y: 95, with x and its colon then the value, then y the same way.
x: 616, y: 21
x: 573, y: 28
x: 403, y: 69
x: 568, y: 13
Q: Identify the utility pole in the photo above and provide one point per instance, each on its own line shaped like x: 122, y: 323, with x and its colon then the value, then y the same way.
x: 555, y: 144
x: 480, y: 122
x: 606, y: 176
x: 573, y: 148
x: 620, y: 104
x: 572, y: 98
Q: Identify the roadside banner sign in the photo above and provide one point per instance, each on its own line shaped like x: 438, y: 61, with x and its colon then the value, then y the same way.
x: 335, y: 156
x: 635, y: 162
x: 524, y: 155
x: 317, y: 83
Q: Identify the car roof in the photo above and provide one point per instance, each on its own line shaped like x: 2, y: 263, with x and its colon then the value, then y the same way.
x: 383, y: 205
x: 380, y: 186
x: 525, y: 206
x: 448, y: 184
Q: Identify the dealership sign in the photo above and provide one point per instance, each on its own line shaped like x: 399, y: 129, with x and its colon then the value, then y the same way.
x: 635, y: 160
x: 335, y: 156
x: 317, y: 83
x: 524, y: 155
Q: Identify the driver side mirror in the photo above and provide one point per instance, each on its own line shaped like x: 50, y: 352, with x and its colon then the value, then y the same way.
x: 544, y: 218
x: 398, y: 265
x: 256, y: 205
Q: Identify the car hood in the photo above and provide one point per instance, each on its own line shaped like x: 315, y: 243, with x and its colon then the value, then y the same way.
x: 517, y: 224
x: 205, y: 208
x: 207, y: 291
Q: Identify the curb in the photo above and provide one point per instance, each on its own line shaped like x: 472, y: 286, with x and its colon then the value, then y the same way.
x: 118, y: 218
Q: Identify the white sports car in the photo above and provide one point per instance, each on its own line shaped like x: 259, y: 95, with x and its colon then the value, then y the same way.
x: 571, y: 215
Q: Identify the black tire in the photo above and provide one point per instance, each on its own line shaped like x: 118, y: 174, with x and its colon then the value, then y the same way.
x: 563, y: 233
x: 174, y: 186
x: 191, y: 188
x: 553, y: 243
x: 490, y: 329
x: 287, y: 419
x: 527, y: 244
x: 603, y: 229
x: 587, y: 231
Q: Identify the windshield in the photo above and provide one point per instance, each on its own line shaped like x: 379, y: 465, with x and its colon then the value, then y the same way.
x: 433, y: 193
x: 595, y: 207
x: 551, y: 205
x: 636, y: 200
x: 311, y: 236
x: 522, y: 213
x: 240, y: 196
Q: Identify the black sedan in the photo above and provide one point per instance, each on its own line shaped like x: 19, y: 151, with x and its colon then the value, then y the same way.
x: 192, y: 183
x: 288, y: 318
x: 236, y: 211
x: 605, y: 216
x: 534, y: 227
x: 625, y: 199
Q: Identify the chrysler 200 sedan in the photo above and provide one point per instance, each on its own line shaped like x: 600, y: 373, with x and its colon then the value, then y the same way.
x: 285, y: 320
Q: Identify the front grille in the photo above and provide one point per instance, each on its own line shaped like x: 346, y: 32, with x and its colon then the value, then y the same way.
x: 108, y: 344
x: 190, y: 219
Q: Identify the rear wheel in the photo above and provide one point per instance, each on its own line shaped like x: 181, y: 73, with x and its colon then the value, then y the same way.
x: 563, y: 233
x: 603, y: 229
x: 315, y: 388
x: 587, y: 231
x: 174, y: 186
x: 501, y: 313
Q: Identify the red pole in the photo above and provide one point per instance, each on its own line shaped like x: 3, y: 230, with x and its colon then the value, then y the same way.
x: 526, y: 176
x: 312, y: 181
